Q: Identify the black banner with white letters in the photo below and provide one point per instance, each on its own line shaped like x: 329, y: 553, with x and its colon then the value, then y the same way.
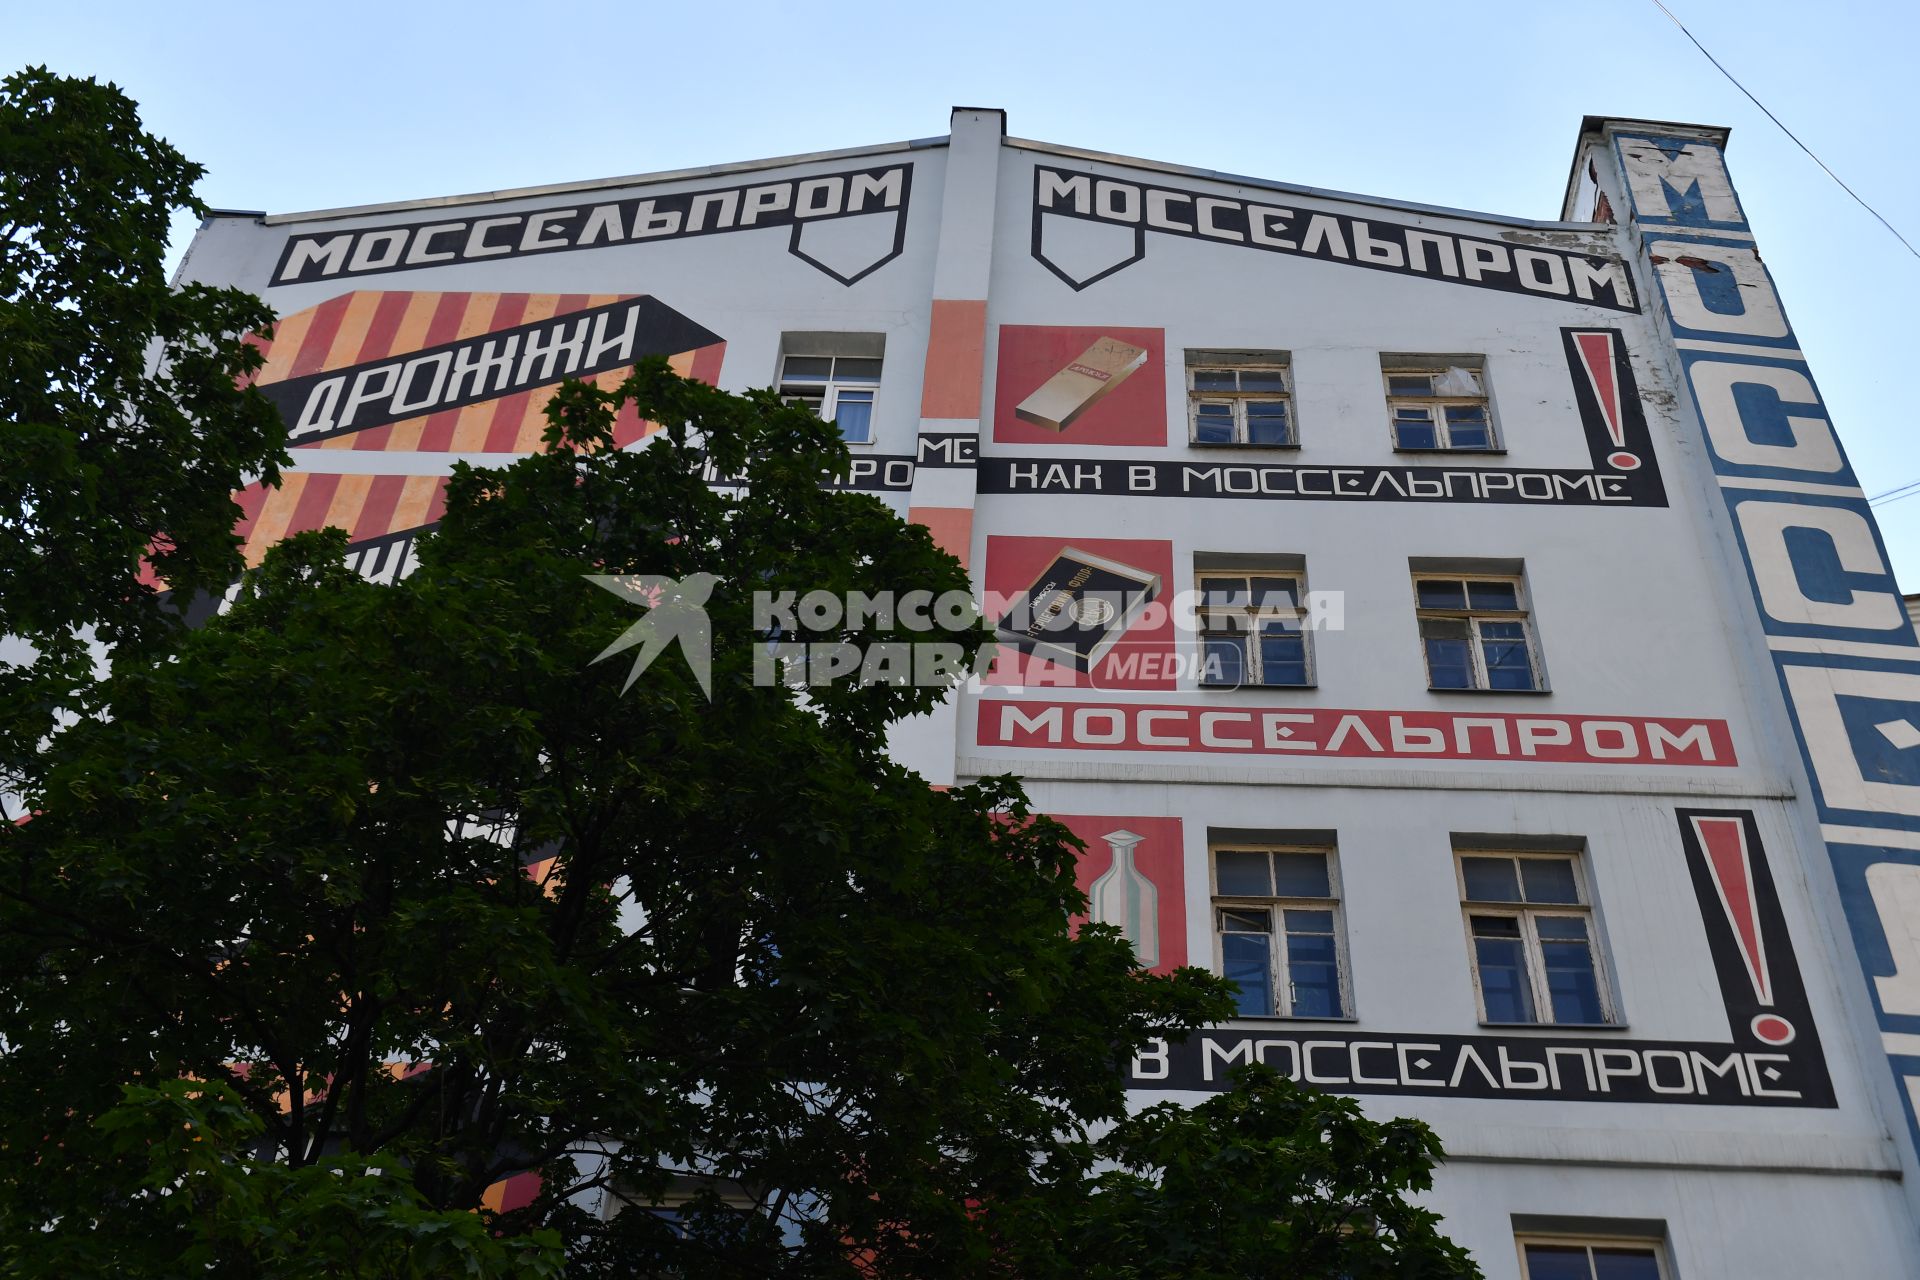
x: 1559, y: 1068
x: 1498, y: 261
x: 1773, y: 1060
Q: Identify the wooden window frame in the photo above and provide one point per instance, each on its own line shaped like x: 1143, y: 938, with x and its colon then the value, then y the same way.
x: 1528, y: 913
x: 1277, y: 974
x: 1236, y: 364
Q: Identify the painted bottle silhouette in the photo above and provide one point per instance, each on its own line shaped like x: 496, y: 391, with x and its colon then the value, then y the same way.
x: 1127, y: 899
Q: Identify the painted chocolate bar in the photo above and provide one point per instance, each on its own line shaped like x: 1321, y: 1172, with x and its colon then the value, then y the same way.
x: 1081, y: 385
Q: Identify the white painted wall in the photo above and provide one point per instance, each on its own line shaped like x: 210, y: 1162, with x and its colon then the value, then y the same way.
x: 1639, y: 612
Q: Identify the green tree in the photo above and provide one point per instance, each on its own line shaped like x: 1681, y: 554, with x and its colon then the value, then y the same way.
x: 124, y: 428
x: 288, y: 853
x: 762, y: 970
x: 1270, y: 1179
x: 336, y: 912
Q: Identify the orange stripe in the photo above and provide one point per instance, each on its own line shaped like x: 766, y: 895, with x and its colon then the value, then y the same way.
x: 523, y: 436
x: 956, y: 354
x: 274, y: 516
x: 436, y: 429
x: 352, y: 334
x: 470, y: 427
x: 539, y: 306
x: 448, y: 426
x: 412, y: 333
x: 470, y: 432
x: 409, y: 336
x: 479, y: 317
x: 510, y: 413
x: 416, y: 497
x: 348, y: 499
x: 534, y: 425
x: 288, y: 334
x: 405, y: 436
x: 951, y: 527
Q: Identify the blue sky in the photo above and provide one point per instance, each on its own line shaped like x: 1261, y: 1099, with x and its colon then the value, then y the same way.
x: 1473, y: 105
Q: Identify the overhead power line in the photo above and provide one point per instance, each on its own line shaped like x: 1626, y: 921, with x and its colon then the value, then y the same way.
x: 1891, y: 229
x: 1899, y: 488
x: 1906, y: 491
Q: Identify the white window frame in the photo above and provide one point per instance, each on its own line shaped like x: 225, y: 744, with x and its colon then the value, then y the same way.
x: 1655, y: 1248
x: 1282, y: 984
x: 799, y: 390
x: 1528, y: 915
x: 1249, y: 618
x: 1410, y: 367
x: 1474, y: 618
x: 1237, y: 363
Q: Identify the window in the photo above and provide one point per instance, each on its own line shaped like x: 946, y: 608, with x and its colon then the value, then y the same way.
x: 1252, y: 628
x: 1437, y: 404
x: 836, y: 376
x: 1277, y: 919
x: 1530, y: 930
x: 1475, y: 633
x: 1566, y: 1259
x: 1240, y: 397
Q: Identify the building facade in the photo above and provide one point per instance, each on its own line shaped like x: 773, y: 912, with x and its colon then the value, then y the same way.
x: 1463, y: 631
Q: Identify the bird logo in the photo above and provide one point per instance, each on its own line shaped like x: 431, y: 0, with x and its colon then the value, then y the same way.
x: 676, y: 610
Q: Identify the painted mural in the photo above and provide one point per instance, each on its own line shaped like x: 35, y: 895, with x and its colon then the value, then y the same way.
x: 1080, y: 386
x: 1132, y: 873
x: 1771, y: 1058
x: 1846, y: 657
x: 420, y: 372
x: 791, y: 204
x: 1079, y: 612
x: 1132, y: 208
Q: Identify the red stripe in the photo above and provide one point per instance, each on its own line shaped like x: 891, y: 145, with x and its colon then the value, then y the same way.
x: 437, y: 505
x: 264, y: 346
x: 513, y: 306
x: 519, y: 1191
x: 437, y: 434
x: 386, y: 323
x: 446, y: 318
x: 311, y: 511
x: 706, y: 363
x: 508, y: 415
x: 503, y: 433
x: 320, y: 335
x: 376, y: 514
x: 381, y: 331
x: 627, y: 426
x: 252, y: 500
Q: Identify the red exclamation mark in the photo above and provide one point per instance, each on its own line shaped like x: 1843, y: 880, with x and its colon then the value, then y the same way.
x: 1596, y: 355
x: 1731, y: 865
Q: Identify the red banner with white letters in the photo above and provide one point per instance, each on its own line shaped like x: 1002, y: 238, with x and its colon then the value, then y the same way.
x: 1036, y: 724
